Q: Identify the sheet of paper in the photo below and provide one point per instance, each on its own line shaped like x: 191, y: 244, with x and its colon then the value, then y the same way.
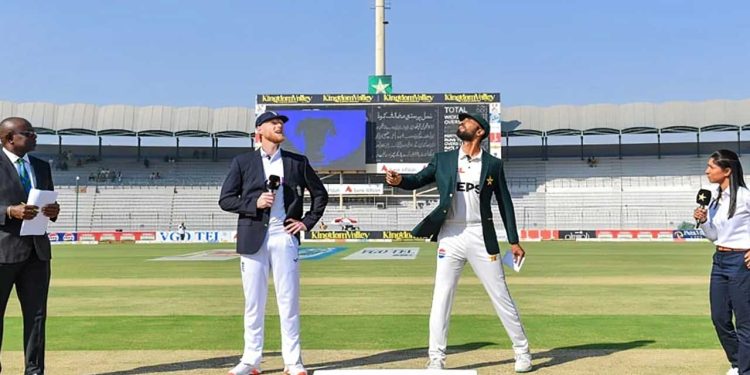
x: 38, y: 225
x: 509, y: 262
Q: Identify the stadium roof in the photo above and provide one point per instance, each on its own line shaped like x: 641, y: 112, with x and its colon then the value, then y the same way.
x: 88, y: 119
x: 634, y: 118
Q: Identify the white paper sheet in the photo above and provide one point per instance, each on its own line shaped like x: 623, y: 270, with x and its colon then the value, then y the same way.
x: 38, y: 225
x: 509, y: 262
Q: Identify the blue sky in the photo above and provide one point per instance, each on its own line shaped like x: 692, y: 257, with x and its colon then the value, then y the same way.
x: 222, y: 53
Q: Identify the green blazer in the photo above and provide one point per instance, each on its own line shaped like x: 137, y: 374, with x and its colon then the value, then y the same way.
x: 443, y: 169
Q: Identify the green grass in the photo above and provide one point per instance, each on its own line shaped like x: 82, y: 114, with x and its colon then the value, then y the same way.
x: 345, y: 305
x: 374, y: 332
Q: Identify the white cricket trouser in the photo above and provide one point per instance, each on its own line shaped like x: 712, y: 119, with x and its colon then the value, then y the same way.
x: 279, y: 253
x: 456, y: 245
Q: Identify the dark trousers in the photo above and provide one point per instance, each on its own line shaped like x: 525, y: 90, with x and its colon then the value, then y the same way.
x: 730, y: 295
x: 31, y: 278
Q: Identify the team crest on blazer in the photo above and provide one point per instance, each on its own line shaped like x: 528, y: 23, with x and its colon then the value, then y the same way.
x: 489, y: 181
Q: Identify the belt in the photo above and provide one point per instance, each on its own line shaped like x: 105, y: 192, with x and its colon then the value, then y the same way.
x: 726, y: 249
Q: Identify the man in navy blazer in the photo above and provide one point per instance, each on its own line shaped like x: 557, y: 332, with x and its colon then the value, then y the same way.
x: 24, y: 260
x: 266, y: 188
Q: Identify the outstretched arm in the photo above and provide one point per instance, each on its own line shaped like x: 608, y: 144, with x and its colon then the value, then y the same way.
x: 415, y: 181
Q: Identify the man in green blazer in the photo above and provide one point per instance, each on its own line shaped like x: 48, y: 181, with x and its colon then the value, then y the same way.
x: 467, y: 179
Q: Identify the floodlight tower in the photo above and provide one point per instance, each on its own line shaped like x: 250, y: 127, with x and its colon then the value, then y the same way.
x: 380, y: 23
x: 380, y: 83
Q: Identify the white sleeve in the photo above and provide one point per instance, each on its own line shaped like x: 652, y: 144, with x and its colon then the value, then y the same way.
x: 709, y: 230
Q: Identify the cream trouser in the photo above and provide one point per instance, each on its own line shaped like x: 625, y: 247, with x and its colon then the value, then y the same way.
x: 458, y: 244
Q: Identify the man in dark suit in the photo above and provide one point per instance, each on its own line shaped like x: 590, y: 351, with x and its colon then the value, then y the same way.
x: 24, y: 260
x: 266, y: 189
x: 467, y: 179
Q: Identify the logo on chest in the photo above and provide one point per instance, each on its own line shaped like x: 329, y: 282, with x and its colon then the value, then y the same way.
x: 468, y: 187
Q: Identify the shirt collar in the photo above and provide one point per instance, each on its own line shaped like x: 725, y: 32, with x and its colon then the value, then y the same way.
x: 273, y: 157
x: 462, y: 155
x: 726, y: 192
x: 14, y: 158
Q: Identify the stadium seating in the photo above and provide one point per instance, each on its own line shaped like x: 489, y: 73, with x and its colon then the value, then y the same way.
x: 562, y: 193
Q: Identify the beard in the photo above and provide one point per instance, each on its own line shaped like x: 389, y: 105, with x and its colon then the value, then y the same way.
x: 275, y: 138
x: 464, y: 135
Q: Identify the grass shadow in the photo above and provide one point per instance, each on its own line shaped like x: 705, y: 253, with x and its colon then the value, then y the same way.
x: 394, y: 356
x: 230, y: 361
x: 207, y: 363
x: 558, y: 356
x: 549, y: 358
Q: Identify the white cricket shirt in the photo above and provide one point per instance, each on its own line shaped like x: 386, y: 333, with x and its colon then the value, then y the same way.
x: 465, y: 203
x: 734, y: 232
x: 273, y: 164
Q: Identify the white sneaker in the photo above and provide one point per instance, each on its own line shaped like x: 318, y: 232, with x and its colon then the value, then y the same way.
x: 435, y: 364
x: 733, y: 371
x: 244, y: 369
x: 295, y: 370
x: 523, y: 362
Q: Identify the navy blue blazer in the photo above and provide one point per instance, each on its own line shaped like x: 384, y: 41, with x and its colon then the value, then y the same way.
x: 246, y: 181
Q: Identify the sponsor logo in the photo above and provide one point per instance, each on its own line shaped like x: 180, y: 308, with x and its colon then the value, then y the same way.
x: 408, y: 98
x: 62, y: 236
x: 190, y: 236
x: 467, y: 187
x: 576, y: 234
x: 348, y: 98
x: 471, y: 98
x: 348, y: 235
x: 399, y: 235
x: 286, y: 99
x: 441, y: 253
x: 385, y: 253
x: 687, y: 233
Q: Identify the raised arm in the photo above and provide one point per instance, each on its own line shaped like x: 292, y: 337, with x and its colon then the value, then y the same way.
x: 414, y: 181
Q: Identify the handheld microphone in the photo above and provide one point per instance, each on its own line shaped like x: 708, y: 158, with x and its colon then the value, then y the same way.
x: 273, y: 183
x: 703, y: 198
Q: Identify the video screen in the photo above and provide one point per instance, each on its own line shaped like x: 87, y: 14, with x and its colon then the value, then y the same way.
x: 333, y: 140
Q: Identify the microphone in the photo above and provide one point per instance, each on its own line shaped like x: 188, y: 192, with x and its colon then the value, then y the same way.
x: 703, y: 198
x: 273, y: 183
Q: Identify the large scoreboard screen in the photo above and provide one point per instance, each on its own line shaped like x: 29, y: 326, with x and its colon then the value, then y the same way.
x: 363, y: 132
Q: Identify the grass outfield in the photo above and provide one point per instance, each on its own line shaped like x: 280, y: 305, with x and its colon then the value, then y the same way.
x: 592, y: 295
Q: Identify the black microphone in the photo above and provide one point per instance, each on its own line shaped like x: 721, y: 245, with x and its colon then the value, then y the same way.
x: 703, y: 198
x: 273, y: 183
